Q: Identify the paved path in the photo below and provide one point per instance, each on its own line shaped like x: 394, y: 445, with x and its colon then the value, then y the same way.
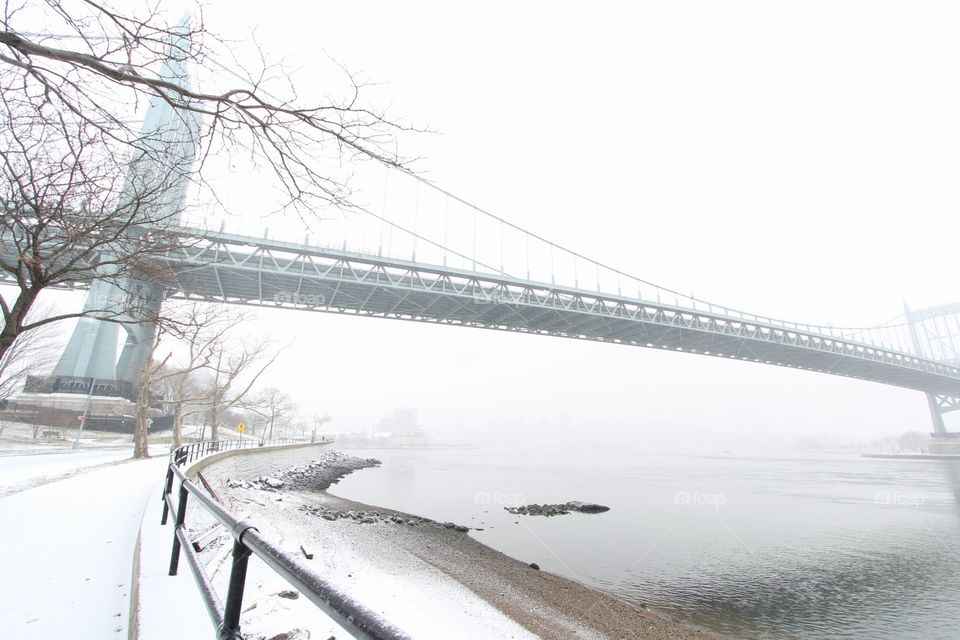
x: 66, y: 552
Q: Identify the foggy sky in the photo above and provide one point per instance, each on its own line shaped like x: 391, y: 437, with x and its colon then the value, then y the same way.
x: 797, y: 160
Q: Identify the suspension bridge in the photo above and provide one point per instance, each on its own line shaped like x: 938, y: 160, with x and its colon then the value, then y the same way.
x: 245, y: 270
x: 240, y: 269
x: 426, y: 255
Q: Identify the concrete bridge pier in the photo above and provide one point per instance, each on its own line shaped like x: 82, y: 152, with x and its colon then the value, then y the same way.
x: 89, y: 380
x: 141, y: 333
x: 943, y: 441
x: 936, y: 415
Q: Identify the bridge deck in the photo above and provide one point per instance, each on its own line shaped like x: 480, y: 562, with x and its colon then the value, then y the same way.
x: 247, y: 270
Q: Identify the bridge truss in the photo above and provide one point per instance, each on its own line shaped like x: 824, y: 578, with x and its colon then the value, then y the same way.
x: 245, y: 270
x: 237, y: 269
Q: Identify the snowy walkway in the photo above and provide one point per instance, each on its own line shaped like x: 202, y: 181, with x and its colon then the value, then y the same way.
x: 23, y: 468
x: 67, y: 551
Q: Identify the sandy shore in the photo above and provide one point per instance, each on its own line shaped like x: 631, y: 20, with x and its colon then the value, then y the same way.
x: 441, y: 580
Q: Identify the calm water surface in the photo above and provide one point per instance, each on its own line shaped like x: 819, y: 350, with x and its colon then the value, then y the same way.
x: 791, y: 546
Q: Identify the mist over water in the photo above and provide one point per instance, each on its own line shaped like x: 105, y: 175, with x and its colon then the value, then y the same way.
x: 808, y: 546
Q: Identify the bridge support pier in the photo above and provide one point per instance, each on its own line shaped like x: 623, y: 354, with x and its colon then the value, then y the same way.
x: 943, y: 441
x: 936, y: 414
x: 89, y: 380
x: 940, y: 335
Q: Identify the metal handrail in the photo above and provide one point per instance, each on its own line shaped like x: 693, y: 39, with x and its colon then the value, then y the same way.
x: 358, y: 620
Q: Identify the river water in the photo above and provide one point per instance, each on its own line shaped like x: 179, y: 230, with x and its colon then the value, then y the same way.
x: 810, y: 546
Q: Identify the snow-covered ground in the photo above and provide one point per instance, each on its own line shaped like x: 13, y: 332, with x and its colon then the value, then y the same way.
x: 23, y: 470
x: 401, y: 587
x: 68, y: 546
x: 68, y: 552
x: 159, y: 593
x: 19, y: 434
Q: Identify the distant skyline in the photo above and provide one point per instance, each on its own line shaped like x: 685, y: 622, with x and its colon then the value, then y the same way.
x: 798, y: 161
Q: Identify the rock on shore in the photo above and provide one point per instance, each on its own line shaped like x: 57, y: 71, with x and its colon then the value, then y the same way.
x: 316, y: 475
x: 324, y: 471
x: 378, y: 517
x: 557, y: 509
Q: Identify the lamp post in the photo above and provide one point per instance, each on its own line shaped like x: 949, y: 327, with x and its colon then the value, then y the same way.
x: 86, y: 413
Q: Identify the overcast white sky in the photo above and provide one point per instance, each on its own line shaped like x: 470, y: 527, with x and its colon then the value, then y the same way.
x: 793, y: 159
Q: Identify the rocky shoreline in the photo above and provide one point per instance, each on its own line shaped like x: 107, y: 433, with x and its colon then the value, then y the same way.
x: 363, y: 516
x: 323, y: 472
x: 316, y: 475
x: 293, y: 501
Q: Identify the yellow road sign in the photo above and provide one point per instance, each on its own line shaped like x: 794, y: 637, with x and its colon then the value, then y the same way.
x: 241, y: 427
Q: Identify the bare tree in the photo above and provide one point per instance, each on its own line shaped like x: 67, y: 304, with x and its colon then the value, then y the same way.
x: 204, y: 334
x: 203, y: 331
x: 89, y: 196
x: 276, y: 407
x: 32, y: 353
x: 154, y: 375
x: 151, y: 372
x: 74, y: 213
x: 228, y: 368
x: 318, y: 422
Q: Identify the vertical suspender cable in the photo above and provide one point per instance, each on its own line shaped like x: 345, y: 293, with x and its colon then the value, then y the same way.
x: 501, y: 249
x: 446, y: 222
x: 383, y: 209
x: 553, y: 273
x: 527, y: 242
x: 416, y: 215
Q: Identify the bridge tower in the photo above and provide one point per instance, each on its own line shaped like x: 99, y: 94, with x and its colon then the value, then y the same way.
x: 935, y: 334
x: 89, y: 367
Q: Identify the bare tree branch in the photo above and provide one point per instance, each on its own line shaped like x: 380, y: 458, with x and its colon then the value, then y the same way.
x: 88, y: 195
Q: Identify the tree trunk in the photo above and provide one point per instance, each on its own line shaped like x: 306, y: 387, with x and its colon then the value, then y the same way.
x: 7, y: 337
x: 215, y: 419
x: 177, y: 425
x: 14, y: 323
x: 143, y: 418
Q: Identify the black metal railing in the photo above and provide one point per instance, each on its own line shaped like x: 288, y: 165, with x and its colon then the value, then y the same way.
x: 360, y: 621
x: 194, y: 450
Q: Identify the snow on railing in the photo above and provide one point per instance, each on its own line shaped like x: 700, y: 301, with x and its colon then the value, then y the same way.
x: 360, y: 621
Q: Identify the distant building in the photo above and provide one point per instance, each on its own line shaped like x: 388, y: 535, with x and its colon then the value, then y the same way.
x: 401, y: 420
x: 399, y: 429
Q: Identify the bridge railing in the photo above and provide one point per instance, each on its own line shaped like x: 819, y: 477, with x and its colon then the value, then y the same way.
x: 357, y: 619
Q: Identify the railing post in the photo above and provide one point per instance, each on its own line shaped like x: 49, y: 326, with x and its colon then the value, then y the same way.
x: 167, y: 488
x: 230, y: 629
x: 181, y: 517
